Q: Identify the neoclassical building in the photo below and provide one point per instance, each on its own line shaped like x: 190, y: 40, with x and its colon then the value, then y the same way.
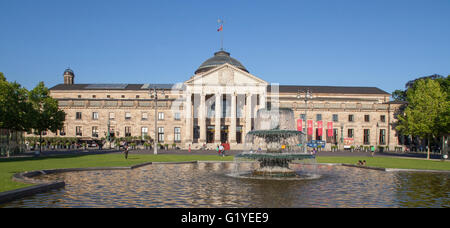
x: 218, y: 104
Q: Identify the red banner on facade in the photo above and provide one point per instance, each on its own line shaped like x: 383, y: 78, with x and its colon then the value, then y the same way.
x: 330, y: 129
x: 299, y: 125
x: 310, y: 127
x: 319, y: 128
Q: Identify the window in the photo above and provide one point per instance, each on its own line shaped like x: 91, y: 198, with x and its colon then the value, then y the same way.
x: 112, y: 132
x: 123, y: 96
x: 366, y: 118
x: 382, y: 138
x: 127, y: 116
x: 93, y: 96
x: 383, y: 118
x: 112, y: 115
x: 78, y: 131
x: 160, y: 134
x: 350, y: 133
x: 318, y: 117
x: 303, y: 117
x: 79, y: 96
x: 351, y: 118
x: 144, y: 132
x: 318, y: 137
x: 137, y: 96
x: 366, y: 136
x: 335, y: 135
x: 177, y: 134
x: 177, y: 116
x: 127, y: 131
x: 78, y: 116
x: 144, y: 116
x: 160, y: 115
x: 95, y: 115
x: 108, y: 96
x: 95, y: 132
x: 335, y: 118
x: 62, y: 131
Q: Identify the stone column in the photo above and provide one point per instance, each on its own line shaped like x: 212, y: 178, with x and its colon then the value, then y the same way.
x: 218, y: 112
x: 188, y: 119
x: 262, y: 100
x: 232, y: 130
x: 202, y: 118
x: 248, y: 113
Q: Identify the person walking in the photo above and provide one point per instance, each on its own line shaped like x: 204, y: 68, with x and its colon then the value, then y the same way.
x: 125, y: 152
x: 226, y: 147
x: 372, y: 150
x: 221, y: 150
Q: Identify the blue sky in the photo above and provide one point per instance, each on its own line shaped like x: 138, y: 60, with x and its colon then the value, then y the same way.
x: 380, y: 43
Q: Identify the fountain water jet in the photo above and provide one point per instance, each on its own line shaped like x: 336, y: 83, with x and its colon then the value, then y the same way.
x: 275, y: 144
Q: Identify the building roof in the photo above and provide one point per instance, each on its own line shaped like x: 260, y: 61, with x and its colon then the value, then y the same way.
x: 282, y: 88
x: 111, y: 86
x: 219, y: 58
x: 329, y: 89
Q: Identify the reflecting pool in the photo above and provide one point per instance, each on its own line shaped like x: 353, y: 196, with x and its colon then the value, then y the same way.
x: 209, y: 185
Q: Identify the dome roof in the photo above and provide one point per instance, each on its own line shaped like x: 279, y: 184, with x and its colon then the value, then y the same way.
x: 219, y: 58
x: 69, y: 71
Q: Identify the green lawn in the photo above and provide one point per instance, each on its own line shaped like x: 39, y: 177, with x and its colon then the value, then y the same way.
x: 390, y: 162
x: 10, y: 166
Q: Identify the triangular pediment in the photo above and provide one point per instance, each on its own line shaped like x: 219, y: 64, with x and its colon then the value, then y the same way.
x: 225, y: 74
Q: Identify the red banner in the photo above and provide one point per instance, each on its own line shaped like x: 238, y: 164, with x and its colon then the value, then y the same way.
x: 299, y: 125
x: 319, y: 128
x: 310, y: 127
x: 330, y: 129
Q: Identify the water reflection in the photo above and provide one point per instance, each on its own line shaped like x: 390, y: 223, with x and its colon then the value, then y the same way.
x: 207, y: 185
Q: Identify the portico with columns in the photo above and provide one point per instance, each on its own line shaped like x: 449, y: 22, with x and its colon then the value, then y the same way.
x: 220, y: 105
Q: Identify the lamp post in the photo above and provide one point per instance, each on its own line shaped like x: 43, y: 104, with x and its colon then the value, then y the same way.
x: 154, y: 95
x: 307, y: 96
x: 109, y: 132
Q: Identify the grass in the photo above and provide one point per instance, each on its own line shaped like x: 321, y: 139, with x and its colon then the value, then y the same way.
x: 390, y: 162
x: 8, y: 167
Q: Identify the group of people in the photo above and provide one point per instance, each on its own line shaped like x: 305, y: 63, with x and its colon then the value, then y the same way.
x: 222, y: 148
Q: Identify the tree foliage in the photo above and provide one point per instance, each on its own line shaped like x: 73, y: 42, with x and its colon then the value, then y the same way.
x: 426, y: 114
x: 22, y: 110
x: 45, y: 110
x: 399, y: 95
x: 15, y: 109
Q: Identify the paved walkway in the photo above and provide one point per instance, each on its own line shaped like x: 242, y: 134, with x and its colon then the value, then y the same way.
x: 213, y: 152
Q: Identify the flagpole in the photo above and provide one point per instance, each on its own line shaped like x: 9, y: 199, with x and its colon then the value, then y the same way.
x: 220, y: 21
x: 221, y: 41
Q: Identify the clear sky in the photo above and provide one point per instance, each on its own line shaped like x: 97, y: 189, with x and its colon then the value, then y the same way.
x: 380, y: 43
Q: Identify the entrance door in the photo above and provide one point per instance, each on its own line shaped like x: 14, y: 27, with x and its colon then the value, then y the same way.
x: 210, y: 134
x: 223, y: 133
x: 239, y: 134
x: 196, y: 134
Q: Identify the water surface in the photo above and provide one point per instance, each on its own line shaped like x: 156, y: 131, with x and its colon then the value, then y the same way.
x: 209, y: 185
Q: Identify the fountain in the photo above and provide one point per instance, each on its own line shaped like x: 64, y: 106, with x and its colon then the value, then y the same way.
x: 275, y: 144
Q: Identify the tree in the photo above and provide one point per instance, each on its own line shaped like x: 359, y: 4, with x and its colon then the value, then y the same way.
x: 14, y: 108
x: 399, y: 95
x: 46, y: 114
x: 427, y: 108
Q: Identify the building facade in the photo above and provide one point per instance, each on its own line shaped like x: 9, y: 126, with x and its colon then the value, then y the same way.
x: 218, y: 104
